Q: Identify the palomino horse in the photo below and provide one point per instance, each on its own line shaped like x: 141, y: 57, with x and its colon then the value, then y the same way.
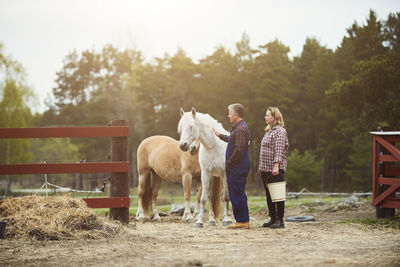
x: 195, y: 127
x: 160, y: 157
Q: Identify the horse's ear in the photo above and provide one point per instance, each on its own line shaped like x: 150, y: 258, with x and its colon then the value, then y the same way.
x: 193, y: 112
x: 182, y: 112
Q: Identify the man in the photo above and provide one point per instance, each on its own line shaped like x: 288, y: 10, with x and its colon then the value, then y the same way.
x: 237, y: 163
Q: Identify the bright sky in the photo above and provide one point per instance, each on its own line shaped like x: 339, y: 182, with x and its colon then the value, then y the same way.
x: 40, y: 33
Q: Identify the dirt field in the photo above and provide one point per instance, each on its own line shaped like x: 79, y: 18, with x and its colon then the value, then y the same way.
x: 174, y: 243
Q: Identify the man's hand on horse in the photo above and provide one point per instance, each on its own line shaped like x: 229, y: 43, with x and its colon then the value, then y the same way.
x: 216, y: 132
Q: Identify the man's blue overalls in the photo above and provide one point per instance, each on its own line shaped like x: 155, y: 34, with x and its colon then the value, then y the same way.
x: 236, y: 175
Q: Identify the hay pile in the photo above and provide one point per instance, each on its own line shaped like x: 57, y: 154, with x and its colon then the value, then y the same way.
x: 53, y: 218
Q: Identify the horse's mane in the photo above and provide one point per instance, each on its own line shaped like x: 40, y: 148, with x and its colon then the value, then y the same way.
x: 206, y: 118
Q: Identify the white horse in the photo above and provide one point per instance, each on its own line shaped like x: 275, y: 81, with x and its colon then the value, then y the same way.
x: 195, y: 126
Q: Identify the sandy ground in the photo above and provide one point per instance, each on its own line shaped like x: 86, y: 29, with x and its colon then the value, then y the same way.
x: 174, y: 243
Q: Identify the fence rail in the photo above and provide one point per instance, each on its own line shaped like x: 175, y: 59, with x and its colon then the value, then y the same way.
x: 60, y: 132
x: 53, y: 168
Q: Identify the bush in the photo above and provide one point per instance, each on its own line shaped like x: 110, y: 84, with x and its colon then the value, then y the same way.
x: 359, y: 167
x: 303, y: 171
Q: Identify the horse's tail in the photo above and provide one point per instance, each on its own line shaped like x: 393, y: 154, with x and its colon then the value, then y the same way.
x: 144, y: 185
x: 147, y: 195
x: 216, y: 195
x: 144, y: 191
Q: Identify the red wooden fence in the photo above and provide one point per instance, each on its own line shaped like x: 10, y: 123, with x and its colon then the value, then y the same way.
x: 118, y: 130
x: 386, y: 172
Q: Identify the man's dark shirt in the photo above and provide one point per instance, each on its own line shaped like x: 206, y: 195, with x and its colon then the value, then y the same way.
x: 240, y: 137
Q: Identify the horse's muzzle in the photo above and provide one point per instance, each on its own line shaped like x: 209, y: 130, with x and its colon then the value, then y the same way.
x: 193, y: 150
x: 184, y: 146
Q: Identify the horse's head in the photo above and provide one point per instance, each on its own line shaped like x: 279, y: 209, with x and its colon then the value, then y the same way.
x: 188, y: 129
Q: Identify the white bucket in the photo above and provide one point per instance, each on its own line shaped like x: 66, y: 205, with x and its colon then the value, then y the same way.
x: 277, y: 191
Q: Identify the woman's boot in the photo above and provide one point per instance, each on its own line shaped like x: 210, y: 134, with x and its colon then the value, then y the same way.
x: 278, y: 224
x: 271, y: 221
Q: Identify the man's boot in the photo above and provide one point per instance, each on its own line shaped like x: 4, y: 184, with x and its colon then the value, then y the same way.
x: 239, y: 225
x: 278, y: 224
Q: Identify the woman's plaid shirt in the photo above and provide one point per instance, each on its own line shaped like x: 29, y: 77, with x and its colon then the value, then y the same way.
x: 274, y: 147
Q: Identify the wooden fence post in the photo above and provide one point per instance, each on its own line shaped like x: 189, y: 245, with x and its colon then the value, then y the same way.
x: 119, y: 185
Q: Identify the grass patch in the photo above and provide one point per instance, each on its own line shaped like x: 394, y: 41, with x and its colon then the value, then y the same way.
x: 392, y: 222
x: 310, y: 210
x: 255, y: 203
x: 132, y: 210
x: 173, y: 193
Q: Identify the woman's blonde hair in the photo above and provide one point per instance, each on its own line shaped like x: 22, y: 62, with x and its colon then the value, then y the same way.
x: 278, y: 118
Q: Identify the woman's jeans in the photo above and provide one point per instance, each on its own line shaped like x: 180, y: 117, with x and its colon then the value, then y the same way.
x: 274, y: 208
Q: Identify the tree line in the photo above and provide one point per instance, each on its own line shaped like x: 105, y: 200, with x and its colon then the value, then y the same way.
x: 331, y: 100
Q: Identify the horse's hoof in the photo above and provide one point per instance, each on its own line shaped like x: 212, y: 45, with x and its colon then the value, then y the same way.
x: 212, y: 223
x: 158, y: 220
x: 198, y: 225
x: 226, y: 223
x: 190, y: 220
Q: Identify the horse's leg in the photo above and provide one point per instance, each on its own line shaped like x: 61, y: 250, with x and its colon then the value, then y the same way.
x: 205, y: 184
x: 225, y: 198
x: 144, y: 178
x: 211, y: 216
x: 198, y: 197
x: 187, y: 188
x: 157, y: 181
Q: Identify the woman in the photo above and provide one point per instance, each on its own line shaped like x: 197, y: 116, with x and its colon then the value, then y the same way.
x: 273, y: 162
